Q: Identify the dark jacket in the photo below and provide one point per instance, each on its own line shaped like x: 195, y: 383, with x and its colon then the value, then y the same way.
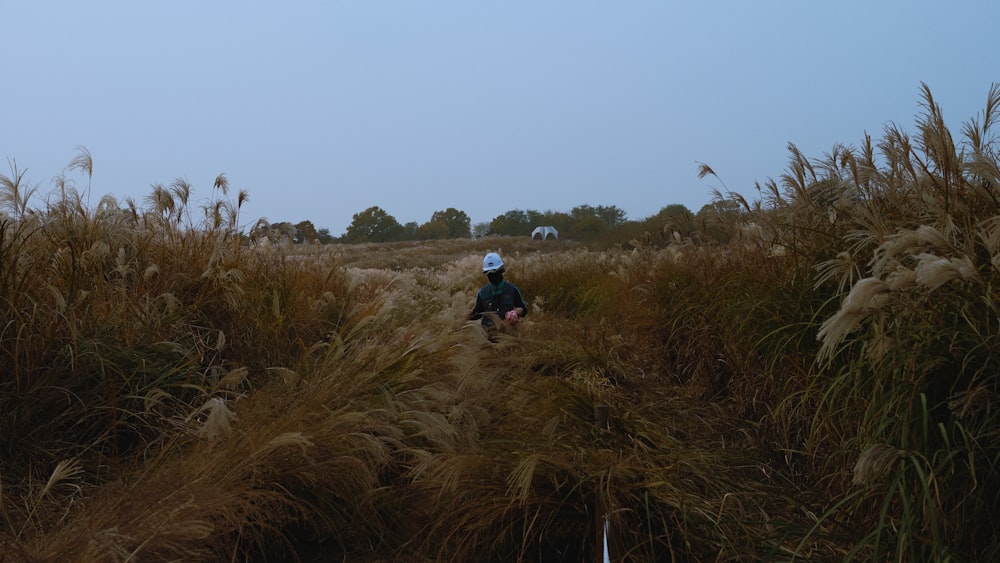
x: 497, y: 299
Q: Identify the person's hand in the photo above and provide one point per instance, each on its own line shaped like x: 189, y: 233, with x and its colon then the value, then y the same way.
x: 512, y: 317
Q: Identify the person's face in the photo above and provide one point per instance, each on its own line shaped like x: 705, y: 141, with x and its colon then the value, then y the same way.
x: 495, y: 277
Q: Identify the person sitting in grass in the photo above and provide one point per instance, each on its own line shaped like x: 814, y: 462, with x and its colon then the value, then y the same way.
x: 499, y: 303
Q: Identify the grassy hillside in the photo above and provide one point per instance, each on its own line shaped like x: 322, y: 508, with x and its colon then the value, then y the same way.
x: 823, y: 386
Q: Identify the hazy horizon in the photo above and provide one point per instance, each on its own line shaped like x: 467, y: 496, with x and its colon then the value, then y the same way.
x: 321, y: 110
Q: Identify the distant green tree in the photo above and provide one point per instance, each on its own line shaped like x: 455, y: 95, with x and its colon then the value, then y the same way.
x: 373, y: 225
x: 409, y: 231
x: 305, y: 231
x: 456, y: 222
x: 675, y: 217
x: 583, y: 211
x: 512, y: 223
x: 480, y: 230
x: 674, y: 211
x: 588, y: 226
x: 560, y: 220
x: 517, y: 222
x: 324, y: 236
x: 611, y: 215
x: 537, y: 218
x: 720, y: 219
x: 432, y: 230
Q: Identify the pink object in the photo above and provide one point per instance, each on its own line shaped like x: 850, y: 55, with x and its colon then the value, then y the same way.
x: 512, y: 317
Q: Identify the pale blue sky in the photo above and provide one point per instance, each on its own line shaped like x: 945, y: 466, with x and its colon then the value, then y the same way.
x: 323, y: 109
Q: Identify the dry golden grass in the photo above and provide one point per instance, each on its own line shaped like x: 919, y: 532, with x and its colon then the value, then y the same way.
x: 819, y: 385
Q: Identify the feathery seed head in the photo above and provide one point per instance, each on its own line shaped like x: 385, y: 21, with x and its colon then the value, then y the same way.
x: 934, y: 271
x: 901, y: 278
x: 866, y: 297
x: 219, y: 421
x: 929, y: 236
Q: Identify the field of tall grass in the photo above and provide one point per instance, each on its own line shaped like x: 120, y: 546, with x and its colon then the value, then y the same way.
x: 822, y: 386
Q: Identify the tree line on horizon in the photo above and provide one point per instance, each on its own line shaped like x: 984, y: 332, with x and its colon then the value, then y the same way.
x: 601, y: 223
x: 610, y: 222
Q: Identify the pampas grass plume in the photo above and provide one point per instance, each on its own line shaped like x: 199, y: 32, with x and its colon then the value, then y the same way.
x: 65, y: 470
x: 934, y: 271
x: 867, y: 296
x: 901, y: 278
x: 219, y: 421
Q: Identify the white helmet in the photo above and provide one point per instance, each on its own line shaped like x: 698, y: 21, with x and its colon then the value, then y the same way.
x: 492, y: 262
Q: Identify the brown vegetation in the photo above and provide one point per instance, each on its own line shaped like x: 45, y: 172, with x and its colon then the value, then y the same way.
x: 822, y: 385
